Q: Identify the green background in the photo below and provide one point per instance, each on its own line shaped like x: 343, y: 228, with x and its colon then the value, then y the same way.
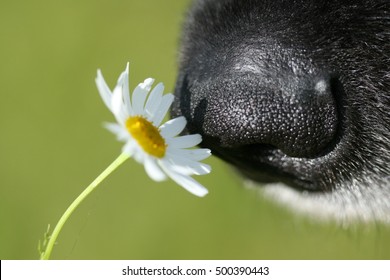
x: 52, y: 145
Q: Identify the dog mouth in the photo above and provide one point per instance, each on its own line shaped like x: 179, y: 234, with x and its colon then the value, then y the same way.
x: 266, y: 164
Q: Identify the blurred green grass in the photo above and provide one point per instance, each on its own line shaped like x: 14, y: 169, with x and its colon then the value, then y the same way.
x: 52, y: 145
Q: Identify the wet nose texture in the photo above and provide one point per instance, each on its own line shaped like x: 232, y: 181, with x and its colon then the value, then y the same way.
x: 299, y: 120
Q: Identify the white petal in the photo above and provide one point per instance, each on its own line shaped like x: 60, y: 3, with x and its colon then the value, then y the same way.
x: 162, y: 110
x: 125, y: 90
x: 187, y: 166
x: 173, y: 127
x: 139, y: 154
x: 129, y: 148
x: 154, y: 100
x: 186, y: 182
x: 121, y: 79
x: 193, y: 154
x: 139, y: 96
x: 103, y: 89
x: 186, y: 141
x: 120, y: 132
x: 117, y: 106
x: 153, y: 170
x: 199, y: 154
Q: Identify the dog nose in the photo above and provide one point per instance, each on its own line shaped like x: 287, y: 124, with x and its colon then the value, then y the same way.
x: 298, y: 117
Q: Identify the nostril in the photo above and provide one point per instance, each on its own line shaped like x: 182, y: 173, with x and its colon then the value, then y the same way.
x: 299, y: 119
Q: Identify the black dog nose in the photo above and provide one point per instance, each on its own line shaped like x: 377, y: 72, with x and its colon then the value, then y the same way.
x: 298, y: 116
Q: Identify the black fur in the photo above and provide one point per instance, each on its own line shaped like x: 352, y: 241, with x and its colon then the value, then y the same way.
x: 296, y: 92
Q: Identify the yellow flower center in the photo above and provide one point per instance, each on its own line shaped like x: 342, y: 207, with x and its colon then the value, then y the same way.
x: 147, y: 135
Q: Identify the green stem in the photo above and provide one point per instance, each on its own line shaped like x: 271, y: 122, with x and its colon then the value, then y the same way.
x: 114, y: 165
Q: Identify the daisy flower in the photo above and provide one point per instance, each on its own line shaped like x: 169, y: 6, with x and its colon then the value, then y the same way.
x: 157, y: 146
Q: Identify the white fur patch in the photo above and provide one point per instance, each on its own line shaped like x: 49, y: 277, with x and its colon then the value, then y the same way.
x: 345, y: 206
